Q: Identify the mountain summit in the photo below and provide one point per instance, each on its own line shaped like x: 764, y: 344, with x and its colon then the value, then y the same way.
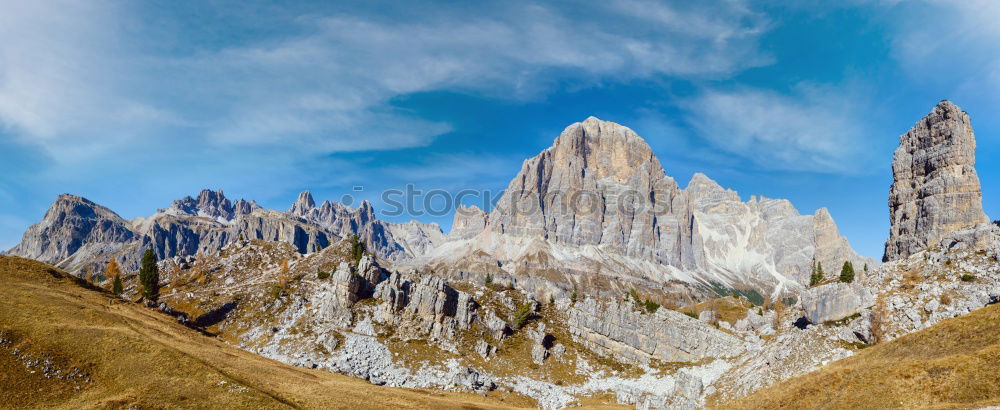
x: 596, y: 212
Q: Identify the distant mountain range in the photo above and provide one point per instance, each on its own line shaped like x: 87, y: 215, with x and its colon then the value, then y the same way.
x: 595, y: 211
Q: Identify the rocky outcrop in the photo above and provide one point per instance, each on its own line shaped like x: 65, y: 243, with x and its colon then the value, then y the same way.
x: 424, y: 307
x: 616, y: 330
x: 935, y: 189
x: 835, y: 301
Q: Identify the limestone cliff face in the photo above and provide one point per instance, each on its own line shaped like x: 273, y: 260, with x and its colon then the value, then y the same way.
x: 597, y: 208
x: 935, y: 189
x: 596, y: 185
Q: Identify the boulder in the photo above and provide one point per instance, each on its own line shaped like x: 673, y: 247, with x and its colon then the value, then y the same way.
x: 835, y: 301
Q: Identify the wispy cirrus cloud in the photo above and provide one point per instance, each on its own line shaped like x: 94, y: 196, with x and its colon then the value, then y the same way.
x: 815, y: 128
x: 76, y: 83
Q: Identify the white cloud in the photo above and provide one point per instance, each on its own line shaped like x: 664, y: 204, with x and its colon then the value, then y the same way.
x: 63, y: 83
x: 953, y: 46
x: 818, y: 129
x: 78, y: 84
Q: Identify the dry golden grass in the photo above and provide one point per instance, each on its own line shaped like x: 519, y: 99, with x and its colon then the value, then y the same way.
x: 950, y: 365
x: 730, y: 309
x: 136, y: 357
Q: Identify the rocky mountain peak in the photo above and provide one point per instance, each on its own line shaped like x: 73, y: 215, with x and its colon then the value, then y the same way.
x: 244, y: 207
x: 568, y: 193
x: 303, y: 204
x: 71, y: 223
x: 935, y: 189
x: 208, y: 204
x: 604, y: 149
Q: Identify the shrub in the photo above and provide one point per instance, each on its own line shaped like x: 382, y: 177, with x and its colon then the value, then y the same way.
x: 948, y: 262
x: 489, y: 280
x: 357, y: 249
x: 847, y: 272
x: 692, y: 314
x: 573, y: 296
x: 880, y: 321
x: 968, y: 277
x: 651, y: 306
x: 149, y: 276
x: 322, y: 275
x: 276, y: 291
x: 522, y: 316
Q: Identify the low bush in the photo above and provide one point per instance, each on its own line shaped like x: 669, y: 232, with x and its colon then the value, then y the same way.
x: 968, y: 277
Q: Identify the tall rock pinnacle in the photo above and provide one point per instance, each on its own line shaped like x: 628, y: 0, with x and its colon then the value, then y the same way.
x: 935, y: 189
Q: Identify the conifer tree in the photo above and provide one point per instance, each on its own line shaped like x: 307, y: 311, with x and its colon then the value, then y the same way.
x: 357, y: 248
x: 817, y: 275
x: 847, y: 272
x: 149, y: 277
x: 116, y: 286
x: 114, y: 273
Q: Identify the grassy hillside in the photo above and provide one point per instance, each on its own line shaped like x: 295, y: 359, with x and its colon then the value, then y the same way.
x: 950, y: 365
x: 65, y: 346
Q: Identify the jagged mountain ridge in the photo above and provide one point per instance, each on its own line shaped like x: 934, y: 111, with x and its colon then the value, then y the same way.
x: 77, y: 234
x: 641, y: 230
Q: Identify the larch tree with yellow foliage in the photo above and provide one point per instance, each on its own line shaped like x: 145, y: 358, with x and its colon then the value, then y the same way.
x: 115, y: 273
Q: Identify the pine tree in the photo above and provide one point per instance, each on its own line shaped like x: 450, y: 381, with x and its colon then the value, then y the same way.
x: 847, y: 272
x: 116, y: 286
x: 149, y: 277
x: 817, y: 275
x: 357, y: 248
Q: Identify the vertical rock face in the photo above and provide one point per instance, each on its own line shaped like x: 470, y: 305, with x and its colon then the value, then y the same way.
x: 935, y: 189
x: 594, y: 186
x: 469, y: 222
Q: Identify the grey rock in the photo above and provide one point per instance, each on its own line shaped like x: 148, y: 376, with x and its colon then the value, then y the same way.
x: 616, y: 330
x: 835, y: 301
x: 708, y: 316
x: 484, y: 349
x: 425, y: 307
x: 935, y: 189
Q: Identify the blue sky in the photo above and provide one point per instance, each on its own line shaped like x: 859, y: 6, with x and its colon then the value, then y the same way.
x: 134, y: 104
